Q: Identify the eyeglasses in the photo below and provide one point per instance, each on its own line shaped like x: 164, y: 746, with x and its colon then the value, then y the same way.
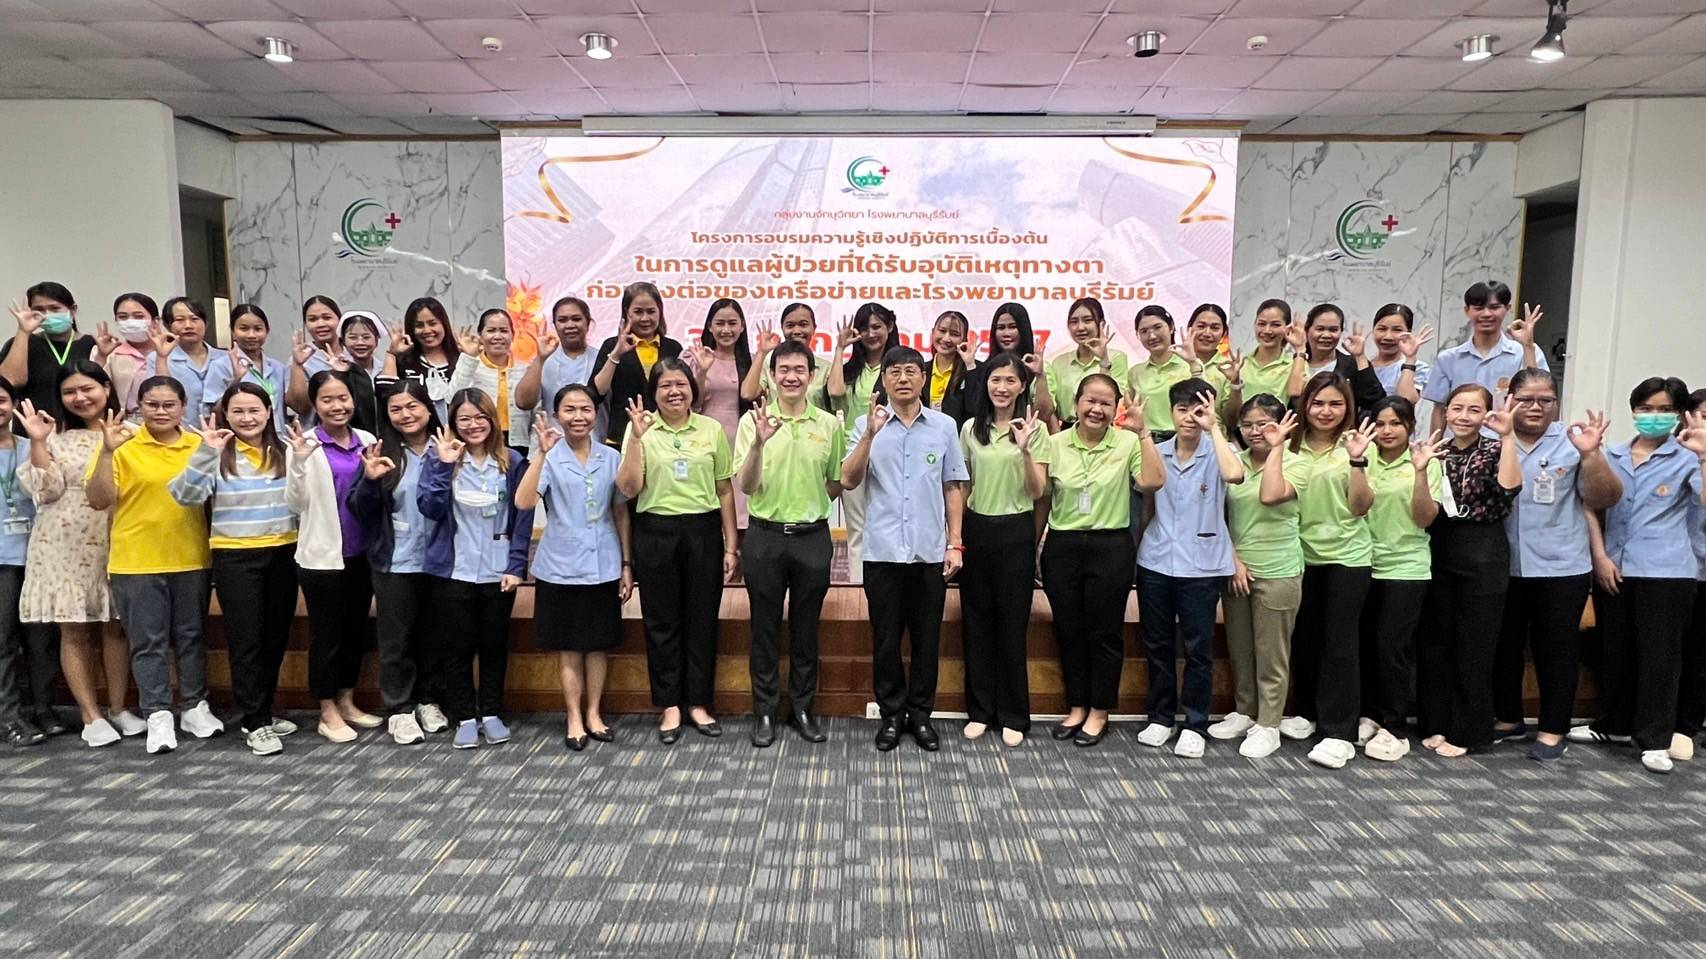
x: 470, y: 420
x: 1540, y: 401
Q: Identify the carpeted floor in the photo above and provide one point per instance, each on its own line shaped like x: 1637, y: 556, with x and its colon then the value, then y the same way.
x: 713, y: 848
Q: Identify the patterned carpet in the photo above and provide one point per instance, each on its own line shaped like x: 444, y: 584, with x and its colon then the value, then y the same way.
x: 712, y: 848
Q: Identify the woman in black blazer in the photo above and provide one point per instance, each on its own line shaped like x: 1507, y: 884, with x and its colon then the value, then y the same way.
x: 951, y: 367
x: 1324, y: 344
x: 625, y: 360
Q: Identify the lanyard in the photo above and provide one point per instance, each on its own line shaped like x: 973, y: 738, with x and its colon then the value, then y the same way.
x: 9, y: 482
x: 262, y: 380
x: 59, y: 354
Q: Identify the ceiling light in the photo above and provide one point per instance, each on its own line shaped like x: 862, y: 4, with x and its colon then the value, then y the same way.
x: 278, y: 50
x: 1146, y: 43
x: 1477, y: 48
x: 1550, y: 46
x: 599, y: 46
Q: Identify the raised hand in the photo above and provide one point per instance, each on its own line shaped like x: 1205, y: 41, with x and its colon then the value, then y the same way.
x: 846, y: 336
x: 1274, y: 434
x: 767, y: 339
x: 876, y: 417
x: 639, y: 418
x: 1522, y: 330
x: 449, y: 447
x: 1129, y: 415
x: 1233, y: 368
x: 1296, y: 337
x: 1358, y: 440
x: 468, y: 341
x: 213, y: 435
x: 115, y: 432
x: 28, y: 320
x: 333, y: 358
x: 1693, y: 435
x: 105, y: 342
x: 1033, y: 362
x: 1355, y: 341
x: 297, y: 439
x: 1586, y: 435
x: 1423, y: 452
x: 546, y: 341
x: 764, y: 425
x: 239, y: 363
x: 300, y: 349
x: 701, y: 356
x: 1098, y: 345
x: 401, y: 341
x: 1500, y: 421
x: 161, y: 337
x: 624, y: 339
x: 968, y: 352
x: 1024, y: 429
x: 1203, y: 414
x: 546, y: 436
x: 374, y: 465
x: 1410, y: 344
x: 36, y: 422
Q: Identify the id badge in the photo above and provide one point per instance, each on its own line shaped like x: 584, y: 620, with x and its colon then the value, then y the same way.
x: 1084, y: 501
x: 399, y: 527
x: 1546, y: 488
x: 680, y: 469
x: 17, y: 526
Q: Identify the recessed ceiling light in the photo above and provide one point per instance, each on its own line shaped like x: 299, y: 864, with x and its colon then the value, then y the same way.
x: 1477, y: 48
x: 599, y: 46
x: 1550, y: 46
x: 1146, y: 43
x: 278, y: 50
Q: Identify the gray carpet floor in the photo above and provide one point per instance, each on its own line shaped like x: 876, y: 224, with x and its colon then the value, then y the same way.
x: 713, y: 848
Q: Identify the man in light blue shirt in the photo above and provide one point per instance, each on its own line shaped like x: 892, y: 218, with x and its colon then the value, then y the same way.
x: 909, y: 457
x: 1489, y: 357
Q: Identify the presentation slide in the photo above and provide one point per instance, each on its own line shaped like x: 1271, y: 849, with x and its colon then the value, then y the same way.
x: 919, y: 224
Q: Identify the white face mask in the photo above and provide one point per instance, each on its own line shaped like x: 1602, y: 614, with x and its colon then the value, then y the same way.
x: 133, y: 331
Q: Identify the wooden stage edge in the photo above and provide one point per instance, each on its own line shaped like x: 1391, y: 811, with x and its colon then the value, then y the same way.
x: 844, y: 686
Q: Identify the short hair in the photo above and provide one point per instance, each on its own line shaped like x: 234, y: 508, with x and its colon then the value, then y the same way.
x: 581, y: 388
x: 573, y: 301
x: 141, y: 299
x: 162, y: 382
x: 1184, y: 392
x: 1529, y: 374
x: 1208, y: 308
x: 48, y: 289
x: 901, y: 356
x: 1322, y: 309
x: 480, y: 325
x: 793, y: 348
x: 1399, y: 310
x: 247, y: 309
x: 1275, y: 304
x: 1078, y: 394
x: 1462, y: 388
x: 1261, y: 402
x: 196, y: 309
x: 1154, y: 309
x: 1672, y: 387
x: 1486, y: 293
x: 670, y: 364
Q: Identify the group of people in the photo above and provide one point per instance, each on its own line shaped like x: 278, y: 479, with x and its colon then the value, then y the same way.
x: 1369, y: 568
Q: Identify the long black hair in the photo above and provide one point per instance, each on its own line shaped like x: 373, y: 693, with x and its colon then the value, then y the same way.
x: 413, y: 357
x: 862, y: 317
x: 272, y: 448
x: 391, y: 443
x: 1022, y: 319
x: 742, y: 349
x: 984, y: 416
x: 94, y: 371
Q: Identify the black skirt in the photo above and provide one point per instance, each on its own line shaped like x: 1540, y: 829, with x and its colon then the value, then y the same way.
x: 577, y: 619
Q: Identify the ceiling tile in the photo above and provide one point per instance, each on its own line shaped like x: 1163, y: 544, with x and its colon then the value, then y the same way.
x: 890, y: 6
x: 914, y: 97
x: 1545, y: 101
x: 582, y: 8
x: 1611, y: 72
x: 327, y: 9
x: 1368, y: 37
x: 1182, y: 33
x: 48, y: 74
x: 987, y: 99
x: 546, y: 74
x: 64, y: 39
x: 634, y: 72
x: 1037, y: 32
x: 815, y: 32
x: 1093, y: 99
x: 1593, y: 36
x: 1415, y: 73
x: 651, y: 100
x: 171, y: 39
x: 204, y: 10
x: 232, y: 125
x: 473, y: 104
x: 706, y: 33
x: 561, y: 103
x: 344, y: 76
x: 1197, y: 70
x: 384, y: 39
x: 1122, y: 70
x: 1175, y: 102
x: 828, y: 97
x: 1314, y: 73
x: 463, y: 37
x: 139, y: 74
x: 795, y: 6
x: 1690, y: 77
x: 1409, y: 8
x: 1625, y: 8
x: 1518, y: 8
x: 1452, y: 101
x: 246, y: 76
x: 1272, y: 103
x: 1512, y: 35
x: 299, y: 105
x: 926, y: 32
x: 456, y: 9
x: 83, y: 11
x: 632, y: 40
x: 693, y: 6
x: 825, y: 68
x: 718, y: 71
x: 1230, y: 37
x: 1362, y: 103
x: 1322, y: 126
x: 445, y: 126
x: 1409, y: 124
x: 895, y: 68
x: 742, y: 98
x: 1188, y: 8
x: 383, y: 104
x: 1687, y: 36
x: 432, y: 76
x: 365, y: 126
x: 1494, y: 124
x: 186, y: 103
x: 1264, y: 125
x: 1027, y: 69
x: 1050, y: 6
x: 1306, y: 8
x: 1516, y: 73
x: 247, y: 34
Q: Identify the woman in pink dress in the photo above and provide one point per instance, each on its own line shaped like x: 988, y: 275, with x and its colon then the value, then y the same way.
x: 719, y: 362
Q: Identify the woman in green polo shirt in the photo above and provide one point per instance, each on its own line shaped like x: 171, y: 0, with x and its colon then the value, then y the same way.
x: 1089, y: 556
x: 1261, y: 598
x: 1001, y: 443
x: 873, y: 333
x: 1333, y: 499
x: 1091, y: 335
x: 1406, y: 478
x: 1268, y: 368
x: 1150, y: 380
x: 677, y: 464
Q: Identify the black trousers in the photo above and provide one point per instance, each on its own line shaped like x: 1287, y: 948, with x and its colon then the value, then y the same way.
x: 24, y: 693
x: 1459, y: 637
x: 1691, y: 690
x: 996, y: 585
x: 473, y: 619
x: 1642, y: 628
x: 257, y: 601
x: 905, y: 599
x: 678, y: 561
x: 795, y: 567
x: 339, y: 630
x: 1087, y: 575
x: 1543, y: 618
x: 1388, y: 653
x: 1324, y: 648
x: 411, y: 660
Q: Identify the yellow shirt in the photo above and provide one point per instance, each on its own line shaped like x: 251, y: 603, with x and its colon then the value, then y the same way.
x: 683, y: 465
x: 1152, y: 383
x: 151, y: 533
x: 646, y: 351
x: 939, y: 379
x: 1090, y: 486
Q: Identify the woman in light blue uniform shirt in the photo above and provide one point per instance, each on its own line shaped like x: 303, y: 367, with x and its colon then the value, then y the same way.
x: 26, y: 696
x: 1644, y: 572
x: 1691, y: 694
x: 581, y: 568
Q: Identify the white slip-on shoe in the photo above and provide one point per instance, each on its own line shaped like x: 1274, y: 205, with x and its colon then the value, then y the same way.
x: 342, y: 734
x: 161, y: 737
x: 263, y: 742
x: 1366, y: 728
x: 404, y: 730
x: 1657, y: 761
x: 1296, y: 727
x: 1681, y: 747
x: 356, y: 716
x: 1386, y: 747
x: 431, y: 718
x: 1190, y: 745
x: 200, y: 722
x: 1155, y: 734
x: 1332, y: 753
x: 1259, y: 742
x: 127, y: 723
x: 974, y: 730
x: 101, y: 733
x: 1587, y: 734
x: 1232, y: 726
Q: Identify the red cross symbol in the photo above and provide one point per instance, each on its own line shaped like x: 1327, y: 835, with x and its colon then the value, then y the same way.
x: 884, y: 171
x: 1390, y: 223
x: 391, y: 220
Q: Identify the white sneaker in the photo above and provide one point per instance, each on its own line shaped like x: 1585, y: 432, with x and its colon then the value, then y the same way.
x: 1587, y: 734
x: 128, y: 723
x: 404, y: 730
x: 1681, y: 747
x: 161, y: 737
x: 264, y: 742
x: 283, y: 727
x: 1233, y: 726
x: 1296, y: 727
x: 1259, y: 742
x: 1386, y: 747
x: 1657, y: 761
x: 1190, y: 745
x: 432, y: 719
x: 1366, y: 729
x: 200, y: 722
x: 1155, y: 734
x: 1332, y: 753
x: 101, y: 733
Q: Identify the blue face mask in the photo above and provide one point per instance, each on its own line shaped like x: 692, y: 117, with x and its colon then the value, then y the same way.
x: 55, y: 323
x: 1655, y: 426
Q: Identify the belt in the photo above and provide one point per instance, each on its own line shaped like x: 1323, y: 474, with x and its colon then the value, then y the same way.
x: 788, y: 529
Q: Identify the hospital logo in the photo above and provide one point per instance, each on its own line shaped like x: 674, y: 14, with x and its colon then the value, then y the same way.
x: 1361, y: 234
x: 367, y: 228
x: 866, y: 176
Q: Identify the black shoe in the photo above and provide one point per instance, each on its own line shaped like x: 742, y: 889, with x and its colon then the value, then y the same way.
x: 605, y: 735
x: 1062, y: 731
x: 1083, y: 738
x: 50, y: 724
x: 710, y: 729
x: 669, y: 736
x: 807, y: 726
x: 575, y: 743
x: 763, y: 731
x: 22, y: 734
x: 888, y: 734
x: 925, y: 734
x: 1515, y: 734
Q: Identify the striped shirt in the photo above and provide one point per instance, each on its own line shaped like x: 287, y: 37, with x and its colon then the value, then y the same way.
x: 249, y: 510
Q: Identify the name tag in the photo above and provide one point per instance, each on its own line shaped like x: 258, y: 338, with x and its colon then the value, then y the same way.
x: 1084, y: 501
x: 17, y: 526
x: 1546, y: 488
x: 489, y: 511
x: 680, y: 469
x: 400, y: 527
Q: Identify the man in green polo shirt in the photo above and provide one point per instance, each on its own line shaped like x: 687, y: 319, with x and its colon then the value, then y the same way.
x: 788, y: 462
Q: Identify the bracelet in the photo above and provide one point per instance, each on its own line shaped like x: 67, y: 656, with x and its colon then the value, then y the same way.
x: 1359, y: 464
x: 627, y: 565
x: 957, y: 549
x: 1406, y: 367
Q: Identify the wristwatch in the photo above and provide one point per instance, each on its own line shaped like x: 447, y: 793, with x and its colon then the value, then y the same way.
x: 1407, y: 367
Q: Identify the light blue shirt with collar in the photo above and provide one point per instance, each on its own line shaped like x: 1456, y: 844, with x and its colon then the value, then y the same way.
x: 1647, y: 532
x: 905, y: 504
x: 558, y: 371
x: 580, y: 546
x: 1549, y: 539
x: 180, y: 367
x: 1463, y: 364
x: 273, y: 376
x: 409, y: 529
x: 1388, y: 376
x: 481, y: 546
x: 18, y: 512
x: 1188, y: 537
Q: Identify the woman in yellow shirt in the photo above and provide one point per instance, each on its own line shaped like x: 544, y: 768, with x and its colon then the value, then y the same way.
x: 951, y: 364
x: 159, y: 561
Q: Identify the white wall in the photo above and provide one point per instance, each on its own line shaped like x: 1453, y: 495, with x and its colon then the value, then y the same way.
x: 207, y: 159
x: 1639, y: 293
x: 1550, y: 158
x: 91, y: 200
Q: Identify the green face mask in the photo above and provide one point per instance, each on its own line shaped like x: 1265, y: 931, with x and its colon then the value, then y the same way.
x: 56, y: 323
x: 1655, y: 426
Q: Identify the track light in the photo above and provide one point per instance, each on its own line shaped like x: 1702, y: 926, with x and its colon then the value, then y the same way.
x: 599, y: 46
x: 1477, y: 48
x: 278, y: 50
x: 1146, y: 43
x: 1550, y: 46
